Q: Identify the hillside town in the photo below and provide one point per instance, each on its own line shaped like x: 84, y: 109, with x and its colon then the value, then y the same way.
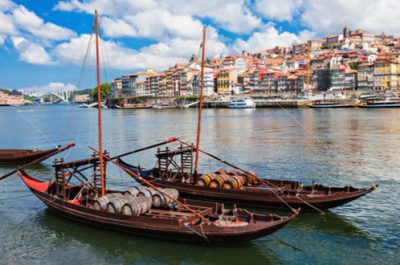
x: 348, y: 64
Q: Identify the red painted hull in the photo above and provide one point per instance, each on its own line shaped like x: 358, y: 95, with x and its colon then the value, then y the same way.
x: 162, y: 228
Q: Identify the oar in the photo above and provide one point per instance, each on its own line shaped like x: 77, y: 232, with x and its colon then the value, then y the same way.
x: 147, y: 183
x: 59, y: 150
x: 170, y: 140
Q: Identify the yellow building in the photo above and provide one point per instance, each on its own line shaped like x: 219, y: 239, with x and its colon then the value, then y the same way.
x: 386, y: 75
x: 226, y: 78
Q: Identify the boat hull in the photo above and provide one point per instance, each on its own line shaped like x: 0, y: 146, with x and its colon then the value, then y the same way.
x: 18, y: 156
x: 263, y: 197
x: 148, y: 226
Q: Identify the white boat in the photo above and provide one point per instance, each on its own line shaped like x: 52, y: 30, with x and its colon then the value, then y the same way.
x: 389, y: 102
x: 246, y: 103
x: 165, y: 106
x: 92, y: 105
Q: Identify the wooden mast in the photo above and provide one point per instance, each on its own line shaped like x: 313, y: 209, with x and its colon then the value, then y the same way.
x: 99, y: 109
x: 200, y: 101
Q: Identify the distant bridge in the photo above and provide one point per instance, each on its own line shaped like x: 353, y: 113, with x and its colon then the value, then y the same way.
x: 61, y: 91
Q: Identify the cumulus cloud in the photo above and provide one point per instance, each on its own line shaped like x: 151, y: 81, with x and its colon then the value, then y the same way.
x: 158, y: 56
x: 29, y: 21
x: 117, y: 28
x: 266, y: 39
x: 30, y: 52
x: 371, y: 15
x: 278, y: 9
x: 52, y: 87
x: 6, y: 5
x: 232, y: 15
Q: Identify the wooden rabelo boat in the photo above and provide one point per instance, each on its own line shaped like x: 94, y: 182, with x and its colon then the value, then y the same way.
x: 174, y: 170
x: 79, y: 193
x: 22, y: 156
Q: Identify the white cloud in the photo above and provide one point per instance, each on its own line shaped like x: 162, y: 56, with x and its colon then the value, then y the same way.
x: 279, y: 10
x: 2, y: 39
x: 266, y: 39
x: 29, y: 21
x: 161, y: 24
x: 30, y: 52
x: 6, y: 5
x: 52, y: 87
x: 328, y: 17
x: 106, y: 7
x: 159, y: 56
x: 117, y: 28
x: 307, y: 35
x: 7, y: 25
x: 232, y: 15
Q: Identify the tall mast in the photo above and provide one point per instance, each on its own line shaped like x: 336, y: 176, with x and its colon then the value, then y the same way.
x: 99, y: 117
x: 201, y: 101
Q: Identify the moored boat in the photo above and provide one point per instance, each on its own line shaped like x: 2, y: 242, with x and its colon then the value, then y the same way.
x: 328, y: 104
x: 22, y: 156
x: 246, y: 103
x: 208, y: 223
x: 258, y: 193
x: 388, y: 102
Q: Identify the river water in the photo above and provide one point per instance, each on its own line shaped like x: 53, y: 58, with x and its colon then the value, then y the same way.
x: 356, y: 147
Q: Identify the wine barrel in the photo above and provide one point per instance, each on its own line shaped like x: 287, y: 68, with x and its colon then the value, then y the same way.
x: 251, y: 178
x: 204, y: 180
x: 218, y: 181
x: 101, y: 203
x: 136, y: 207
x: 233, y: 183
x: 115, y: 205
x: 134, y: 191
x: 160, y: 200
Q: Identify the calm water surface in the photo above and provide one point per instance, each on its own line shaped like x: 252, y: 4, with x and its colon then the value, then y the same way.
x: 336, y: 147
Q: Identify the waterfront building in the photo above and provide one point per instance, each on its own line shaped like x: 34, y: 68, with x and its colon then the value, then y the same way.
x: 343, y: 78
x: 365, y: 76
x: 116, y: 88
x: 386, y: 75
x: 162, y: 85
x: 226, y: 79
x: 128, y: 85
x: 321, y: 79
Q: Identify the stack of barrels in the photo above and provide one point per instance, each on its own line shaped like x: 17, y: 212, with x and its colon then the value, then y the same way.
x: 226, y: 180
x: 135, y: 201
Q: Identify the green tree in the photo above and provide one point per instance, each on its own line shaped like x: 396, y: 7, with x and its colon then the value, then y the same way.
x: 105, y: 89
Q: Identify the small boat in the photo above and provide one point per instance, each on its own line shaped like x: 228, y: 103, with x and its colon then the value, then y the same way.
x: 22, y: 156
x: 328, y: 104
x: 133, y: 106
x: 250, y: 191
x: 388, y: 102
x: 165, y: 106
x: 246, y: 103
x: 92, y: 105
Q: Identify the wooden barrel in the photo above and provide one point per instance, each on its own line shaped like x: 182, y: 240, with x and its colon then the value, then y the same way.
x: 251, y: 178
x: 133, y: 191
x: 115, y: 205
x: 158, y: 200
x: 136, y: 207
x: 233, y: 183
x: 204, y: 180
x: 129, y: 208
x: 218, y: 181
x: 101, y: 203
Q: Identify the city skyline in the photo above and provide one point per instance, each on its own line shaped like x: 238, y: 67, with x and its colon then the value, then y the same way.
x: 47, y: 42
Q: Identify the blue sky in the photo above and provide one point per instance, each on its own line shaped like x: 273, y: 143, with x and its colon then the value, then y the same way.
x: 44, y: 41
